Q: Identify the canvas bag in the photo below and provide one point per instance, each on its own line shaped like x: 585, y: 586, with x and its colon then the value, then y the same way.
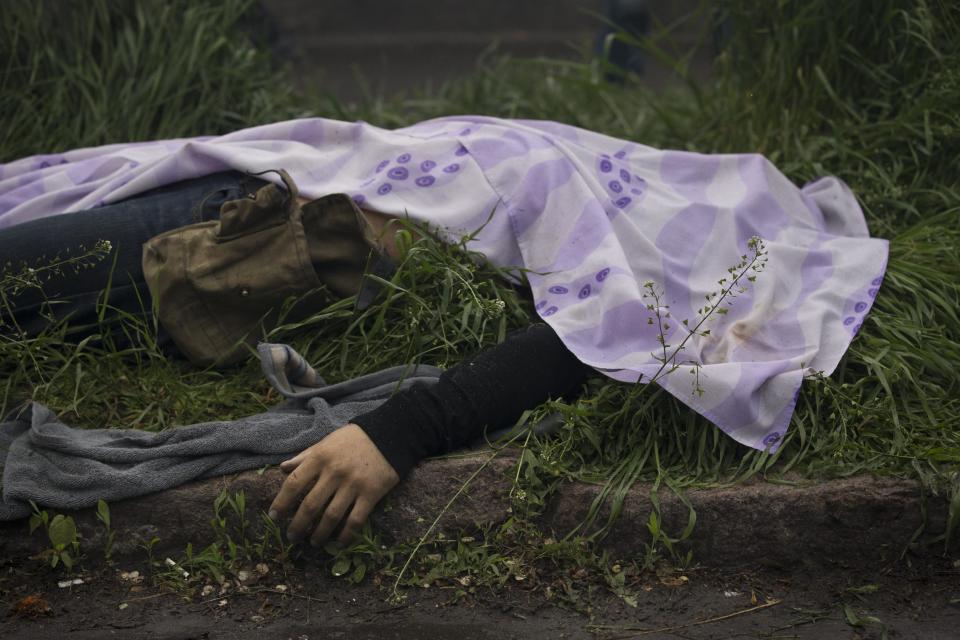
x: 220, y: 285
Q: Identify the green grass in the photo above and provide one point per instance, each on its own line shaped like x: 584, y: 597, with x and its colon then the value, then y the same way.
x: 91, y: 73
x: 868, y: 91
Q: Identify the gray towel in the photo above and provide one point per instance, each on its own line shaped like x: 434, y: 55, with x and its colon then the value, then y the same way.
x: 59, y: 467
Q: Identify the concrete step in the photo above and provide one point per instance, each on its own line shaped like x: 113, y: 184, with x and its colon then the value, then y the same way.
x: 412, y: 16
x: 338, y: 46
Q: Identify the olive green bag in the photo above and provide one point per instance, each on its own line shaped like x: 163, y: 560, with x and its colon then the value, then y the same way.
x: 218, y: 286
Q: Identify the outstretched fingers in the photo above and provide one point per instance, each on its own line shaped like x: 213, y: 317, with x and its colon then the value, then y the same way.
x: 342, y: 478
x: 293, y: 487
x: 358, y: 515
x: 289, y: 465
x: 333, y: 515
x: 312, y: 506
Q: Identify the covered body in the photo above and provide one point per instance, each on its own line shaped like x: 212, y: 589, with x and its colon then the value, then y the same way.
x: 591, y: 219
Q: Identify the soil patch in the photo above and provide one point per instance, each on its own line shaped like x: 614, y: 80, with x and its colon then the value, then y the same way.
x: 918, y: 601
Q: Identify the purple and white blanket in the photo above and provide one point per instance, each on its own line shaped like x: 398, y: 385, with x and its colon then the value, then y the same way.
x: 591, y: 218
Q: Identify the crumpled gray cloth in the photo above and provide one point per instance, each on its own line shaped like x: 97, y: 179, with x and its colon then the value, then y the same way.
x: 60, y: 467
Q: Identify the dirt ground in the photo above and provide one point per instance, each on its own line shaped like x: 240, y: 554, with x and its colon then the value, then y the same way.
x: 907, y: 602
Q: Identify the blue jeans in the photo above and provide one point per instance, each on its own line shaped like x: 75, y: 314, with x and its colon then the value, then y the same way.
x: 127, y: 225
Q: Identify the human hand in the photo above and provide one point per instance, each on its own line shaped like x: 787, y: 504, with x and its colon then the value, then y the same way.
x: 349, y: 476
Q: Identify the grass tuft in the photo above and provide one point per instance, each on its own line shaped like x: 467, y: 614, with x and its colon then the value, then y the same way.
x: 76, y: 73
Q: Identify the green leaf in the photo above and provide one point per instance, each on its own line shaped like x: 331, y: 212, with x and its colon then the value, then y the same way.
x: 103, y: 512
x: 67, y: 559
x: 340, y: 567
x: 358, y: 573
x: 852, y: 618
x: 867, y: 588
x: 653, y: 525
x: 62, y: 531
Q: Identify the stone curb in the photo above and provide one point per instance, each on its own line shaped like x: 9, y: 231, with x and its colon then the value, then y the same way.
x: 858, y: 521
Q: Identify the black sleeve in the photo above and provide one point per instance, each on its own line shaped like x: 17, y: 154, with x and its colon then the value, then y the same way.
x: 491, y: 389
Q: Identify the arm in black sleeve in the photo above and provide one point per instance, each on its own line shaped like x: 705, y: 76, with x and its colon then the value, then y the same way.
x: 491, y: 389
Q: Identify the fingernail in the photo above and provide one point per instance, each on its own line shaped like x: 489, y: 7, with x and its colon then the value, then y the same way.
x: 273, y: 514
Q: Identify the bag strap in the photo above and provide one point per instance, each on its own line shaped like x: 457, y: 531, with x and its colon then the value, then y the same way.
x: 271, y: 206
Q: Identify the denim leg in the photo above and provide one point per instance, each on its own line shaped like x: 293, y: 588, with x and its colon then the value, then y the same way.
x: 127, y: 225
